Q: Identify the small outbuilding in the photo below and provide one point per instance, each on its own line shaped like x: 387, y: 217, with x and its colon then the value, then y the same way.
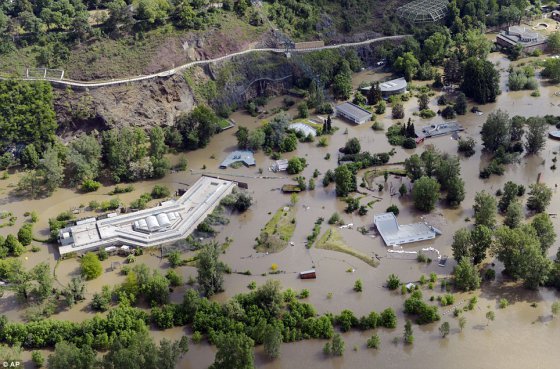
x: 353, y: 113
x: 308, y: 274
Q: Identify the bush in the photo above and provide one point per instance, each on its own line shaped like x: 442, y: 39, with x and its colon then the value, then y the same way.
x: 393, y: 282
x: 374, y: 342
x: 409, y: 143
x: 388, y: 318
x: 25, y: 235
x: 393, y: 209
x: 174, y: 278
x: 90, y: 266
x: 448, y: 112
x: 380, y: 107
x: 37, y: 359
x: 160, y: 192
x: 296, y: 165
x: 334, y: 219
x: 504, y: 303
x: 90, y: 185
x: 466, y: 146
x: 427, y: 113
x: 102, y: 254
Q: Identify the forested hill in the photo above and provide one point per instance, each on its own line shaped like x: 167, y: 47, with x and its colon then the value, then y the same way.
x: 113, y: 38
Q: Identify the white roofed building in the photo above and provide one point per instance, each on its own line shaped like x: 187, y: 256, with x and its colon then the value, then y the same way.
x: 169, y: 222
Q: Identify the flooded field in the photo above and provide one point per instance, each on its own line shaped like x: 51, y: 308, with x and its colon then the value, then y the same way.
x: 521, y: 335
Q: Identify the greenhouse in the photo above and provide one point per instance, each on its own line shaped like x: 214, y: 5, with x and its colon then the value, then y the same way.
x: 423, y: 11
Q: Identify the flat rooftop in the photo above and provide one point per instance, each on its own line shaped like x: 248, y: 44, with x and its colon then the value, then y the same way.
x: 521, y: 35
x: 439, y: 129
x: 352, y: 110
x: 169, y: 222
x: 395, y: 234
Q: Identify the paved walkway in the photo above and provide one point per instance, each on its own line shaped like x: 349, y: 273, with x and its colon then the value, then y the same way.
x: 170, y: 72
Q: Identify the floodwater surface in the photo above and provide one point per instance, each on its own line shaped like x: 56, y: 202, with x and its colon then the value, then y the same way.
x: 522, y: 335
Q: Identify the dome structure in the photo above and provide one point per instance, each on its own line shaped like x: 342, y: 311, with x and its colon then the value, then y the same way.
x: 423, y: 11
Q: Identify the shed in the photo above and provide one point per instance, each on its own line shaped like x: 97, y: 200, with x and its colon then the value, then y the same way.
x: 353, y: 113
x: 308, y: 274
x: 280, y: 165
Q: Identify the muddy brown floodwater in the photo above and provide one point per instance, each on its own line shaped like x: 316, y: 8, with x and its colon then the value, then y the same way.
x: 521, y: 335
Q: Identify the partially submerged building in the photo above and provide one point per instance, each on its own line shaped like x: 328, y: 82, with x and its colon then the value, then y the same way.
x: 239, y: 156
x: 395, y: 234
x: 393, y: 87
x: 303, y: 128
x: 171, y: 221
x: 353, y: 113
x: 438, y: 129
x: 519, y: 35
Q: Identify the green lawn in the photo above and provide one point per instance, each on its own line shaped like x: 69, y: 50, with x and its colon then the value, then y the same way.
x: 333, y: 241
x: 277, y: 233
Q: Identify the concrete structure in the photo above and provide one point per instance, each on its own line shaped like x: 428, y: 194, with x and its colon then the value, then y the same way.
x: 303, y: 128
x: 439, y: 129
x: 518, y: 35
x: 395, y: 234
x: 171, y: 221
x: 246, y: 157
x: 352, y: 113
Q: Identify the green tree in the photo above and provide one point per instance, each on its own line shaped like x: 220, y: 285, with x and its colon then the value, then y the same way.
x: 455, y: 191
x: 90, y: 266
x: 480, y: 80
x: 435, y: 47
x: 156, y: 289
x: 408, y: 335
x: 460, y: 104
x: 553, y: 42
x: 256, y: 139
x: 466, y: 276
x: 296, y: 165
x: 13, y: 245
x: 481, y: 240
x: 29, y: 157
x: 452, y: 71
x: 535, y: 138
x: 272, y: 341
x: 461, y: 245
x: 490, y: 316
x: 345, y: 181
x: 552, y: 70
x: 407, y: 64
x: 496, y: 131
x: 476, y: 44
x: 352, y: 146
x: 158, y: 149
x: 509, y: 195
x: 210, y: 270
x: 52, y: 170
x: 374, y: 94
x: 37, y: 359
x: 444, y: 329
x: 242, y: 136
x: 174, y: 259
x: 397, y: 111
x: 542, y: 224
x: 42, y: 274
x: 25, y: 234
x: 75, y: 291
x: 425, y: 193
x: 485, y: 209
x: 235, y: 351
x: 84, y: 159
x: 67, y: 355
x: 514, y: 215
x: 342, y: 83
x: 539, y: 197
x: 197, y: 127
x: 462, y: 322
x: 423, y: 100
x: 337, y: 346
x: 139, y: 351
x: 413, y: 167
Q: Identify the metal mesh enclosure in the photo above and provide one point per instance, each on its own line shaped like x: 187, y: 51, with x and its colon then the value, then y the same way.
x: 423, y: 11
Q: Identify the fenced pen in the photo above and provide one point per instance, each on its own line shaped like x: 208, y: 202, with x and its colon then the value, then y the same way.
x: 44, y: 73
x: 423, y: 11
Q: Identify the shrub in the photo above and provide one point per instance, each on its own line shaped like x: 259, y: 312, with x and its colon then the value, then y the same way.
x: 334, y: 219
x: 388, y: 318
x: 174, y: 278
x: 427, y: 113
x: 393, y: 209
x: 393, y: 282
x: 25, y: 235
x: 466, y: 146
x: 448, y: 112
x: 159, y: 192
x: 90, y: 185
x: 358, y: 285
x: 90, y: 266
x: 374, y: 342
x: 37, y: 359
x: 102, y: 254
x: 504, y: 303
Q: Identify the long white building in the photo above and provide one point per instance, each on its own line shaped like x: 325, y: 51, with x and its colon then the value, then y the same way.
x: 169, y: 222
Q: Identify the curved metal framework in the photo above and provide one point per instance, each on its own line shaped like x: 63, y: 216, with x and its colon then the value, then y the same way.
x: 423, y: 11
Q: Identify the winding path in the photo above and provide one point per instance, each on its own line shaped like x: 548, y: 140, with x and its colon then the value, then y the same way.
x: 170, y: 72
